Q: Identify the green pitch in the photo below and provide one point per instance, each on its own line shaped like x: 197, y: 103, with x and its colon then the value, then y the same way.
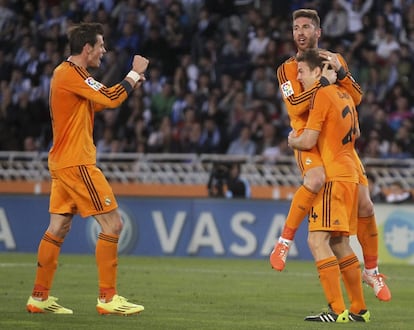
x: 193, y: 293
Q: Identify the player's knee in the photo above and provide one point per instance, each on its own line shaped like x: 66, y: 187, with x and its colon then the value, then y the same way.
x: 314, y: 243
x: 60, y: 232
x: 365, y: 207
x: 116, y: 225
x: 314, y: 181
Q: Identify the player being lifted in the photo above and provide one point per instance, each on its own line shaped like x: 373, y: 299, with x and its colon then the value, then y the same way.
x: 332, y: 127
x: 306, y: 33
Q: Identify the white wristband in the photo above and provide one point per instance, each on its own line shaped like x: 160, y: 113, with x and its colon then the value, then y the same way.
x: 134, y: 76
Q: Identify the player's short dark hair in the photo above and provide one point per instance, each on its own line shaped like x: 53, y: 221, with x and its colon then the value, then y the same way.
x: 81, y: 34
x: 308, y: 13
x: 311, y: 57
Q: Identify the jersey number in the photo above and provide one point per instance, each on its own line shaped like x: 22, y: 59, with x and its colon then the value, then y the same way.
x: 348, y: 137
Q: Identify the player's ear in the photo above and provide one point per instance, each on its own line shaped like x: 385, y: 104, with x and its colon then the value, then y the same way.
x: 87, y: 48
x: 318, y: 71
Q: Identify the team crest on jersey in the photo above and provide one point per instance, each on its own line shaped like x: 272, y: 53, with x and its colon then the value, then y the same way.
x: 96, y: 85
x: 287, y: 89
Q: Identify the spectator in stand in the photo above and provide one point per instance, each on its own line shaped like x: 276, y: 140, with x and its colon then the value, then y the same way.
x: 22, y: 54
x: 137, y: 139
x: 386, y: 45
x: 177, y: 40
x: 155, y: 81
x: 156, y: 46
x: 401, y: 111
x: 7, y: 130
x: 406, y: 137
x: 378, y: 124
x: 210, y: 139
x: 127, y: 45
x: 6, y: 15
x: 203, y: 91
x: 376, y: 32
x: 5, y: 66
x: 105, y: 143
x: 237, y: 186
x: 183, y: 129
x: 245, y: 117
x: 180, y: 106
x: 335, y: 23
x: 393, y: 16
x: 398, y: 193
x: 234, y: 59
x: 396, y: 150
x: 268, y: 147
x: 160, y: 139
x: 243, y: 145
x: 56, y: 20
x: 258, y: 83
x: 122, y: 10
x: 355, y: 10
x: 372, y: 148
x: 405, y: 67
x: 229, y: 89
x: 257, y: 44
x: 190, y: 142
x: 162, y: 102
x: 205, y: 29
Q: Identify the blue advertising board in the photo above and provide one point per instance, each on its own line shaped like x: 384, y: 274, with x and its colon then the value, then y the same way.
x: 227, y: 228
x: 161, y: 227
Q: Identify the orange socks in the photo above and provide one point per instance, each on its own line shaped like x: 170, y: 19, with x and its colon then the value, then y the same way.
x: 107, y: 261
x: 368, y: 238
x: 299, y: 209
x: 351, y: 276
x: 329, y: 276
x: 47, y: 260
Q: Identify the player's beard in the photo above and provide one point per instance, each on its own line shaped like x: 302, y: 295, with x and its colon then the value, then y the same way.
x: 311, y: 42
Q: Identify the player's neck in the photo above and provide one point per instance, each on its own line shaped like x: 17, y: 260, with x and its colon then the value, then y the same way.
x: 78, y: 60
x: 301, y: 51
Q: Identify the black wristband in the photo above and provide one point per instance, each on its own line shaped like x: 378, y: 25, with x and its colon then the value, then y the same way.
x: 341, y: 73
x: 127, y: 86
x: 324, y: 81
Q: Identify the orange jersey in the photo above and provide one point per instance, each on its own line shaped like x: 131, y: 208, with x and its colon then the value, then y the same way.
x: 74, y: 98
x: 297, y: 101
x: 332, y: 113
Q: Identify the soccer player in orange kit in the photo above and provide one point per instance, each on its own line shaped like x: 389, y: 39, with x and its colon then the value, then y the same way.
x: 306, y: 33
x: 332, y: 127
x: 78, y: 186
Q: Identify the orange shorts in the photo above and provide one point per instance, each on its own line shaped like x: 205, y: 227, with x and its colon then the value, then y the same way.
x: 308, y: 159
x: 81, y: 189
x: 335, y: 208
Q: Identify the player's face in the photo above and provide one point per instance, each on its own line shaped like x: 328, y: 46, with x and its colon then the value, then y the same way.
x: 96, y: 53
x: 305, y: 34
x: 306, y: 76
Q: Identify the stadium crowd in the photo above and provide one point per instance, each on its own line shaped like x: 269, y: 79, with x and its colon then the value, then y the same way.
x: 211, y: 85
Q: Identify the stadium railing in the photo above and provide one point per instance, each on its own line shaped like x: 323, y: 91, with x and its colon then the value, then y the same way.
x: 153, y: 171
